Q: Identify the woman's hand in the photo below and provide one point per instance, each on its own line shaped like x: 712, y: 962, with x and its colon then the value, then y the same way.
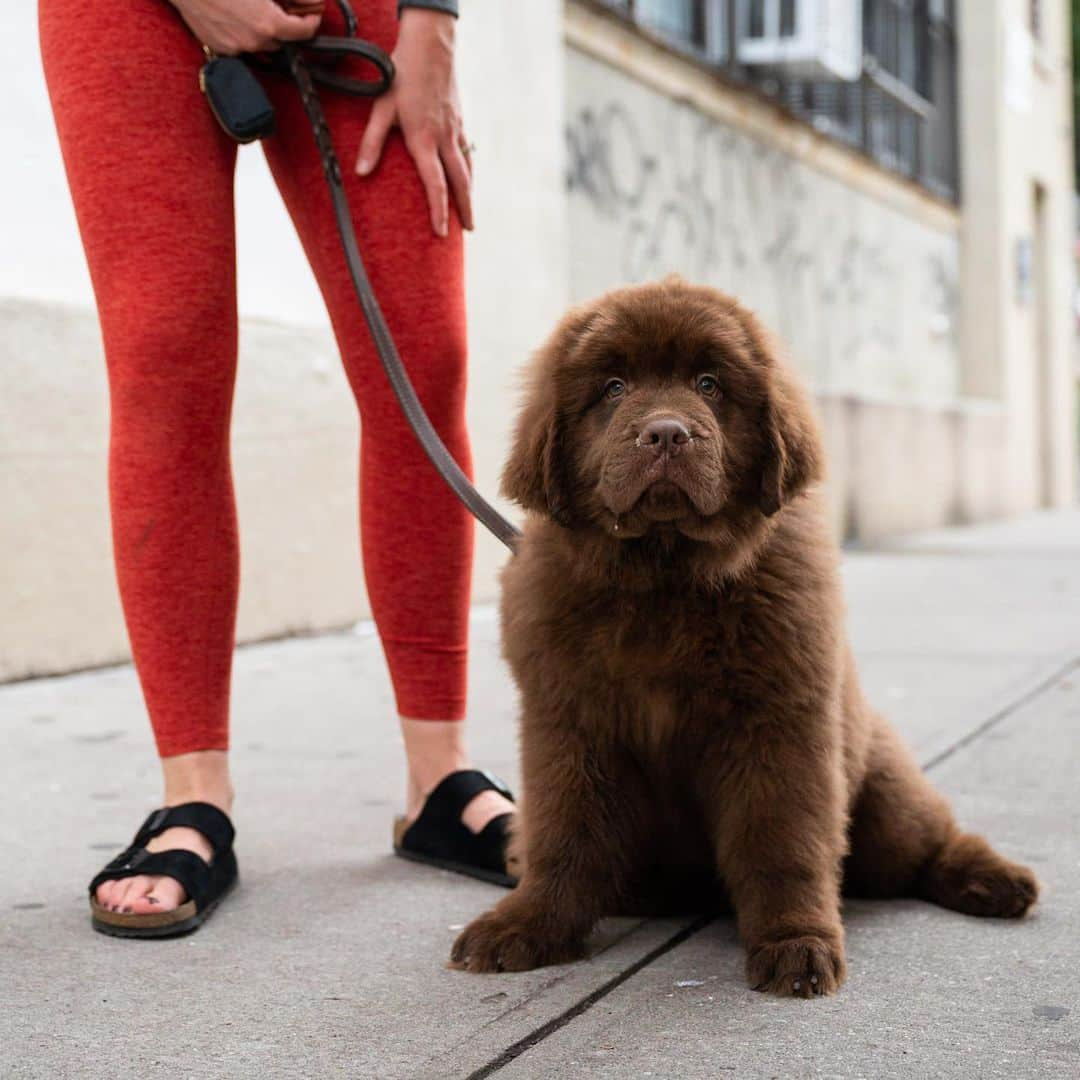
x: 423, y: 102
x: 229, y: 27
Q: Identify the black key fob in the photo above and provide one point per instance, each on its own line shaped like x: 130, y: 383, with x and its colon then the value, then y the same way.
x: 237, y: 99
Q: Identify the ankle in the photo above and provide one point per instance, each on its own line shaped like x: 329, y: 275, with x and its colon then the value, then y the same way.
x: 202, y: 776
x: 221, y: 798
x: 433, y: 750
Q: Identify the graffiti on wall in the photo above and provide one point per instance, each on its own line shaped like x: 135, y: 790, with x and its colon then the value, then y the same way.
x: 854, y: 287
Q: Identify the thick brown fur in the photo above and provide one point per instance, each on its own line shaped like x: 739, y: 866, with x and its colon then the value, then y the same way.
x: 691, y: 712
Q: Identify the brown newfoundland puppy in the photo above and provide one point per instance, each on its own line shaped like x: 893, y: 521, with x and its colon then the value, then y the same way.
x: 674, y: 622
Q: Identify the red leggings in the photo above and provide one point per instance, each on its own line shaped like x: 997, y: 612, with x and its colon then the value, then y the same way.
x: 151, y: 175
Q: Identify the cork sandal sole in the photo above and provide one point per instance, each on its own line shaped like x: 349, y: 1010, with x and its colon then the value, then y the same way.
x: 164, y: 924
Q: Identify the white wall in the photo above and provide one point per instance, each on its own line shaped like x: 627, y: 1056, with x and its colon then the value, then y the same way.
x: 294, y: 437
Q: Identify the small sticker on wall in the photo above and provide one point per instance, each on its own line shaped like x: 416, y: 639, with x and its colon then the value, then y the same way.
x: 1024, y: 268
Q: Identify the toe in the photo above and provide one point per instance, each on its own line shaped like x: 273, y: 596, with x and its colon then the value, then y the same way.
x: 169, y: 894
x: 134, y: 902
x: 129, y: 887
x: 166, y: 895
x: 119, y: 891
x: 144, y: 902
x: 110, y: 892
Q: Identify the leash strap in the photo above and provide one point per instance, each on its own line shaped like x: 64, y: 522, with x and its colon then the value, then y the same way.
x: 305, y: 77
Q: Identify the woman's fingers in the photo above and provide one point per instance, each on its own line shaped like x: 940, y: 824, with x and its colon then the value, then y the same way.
x: 425, y: 154
x: 232, y: 27
x: 303, y: 7
x: 459, y: 173
x: 294, y: 27
x: 379, y: 124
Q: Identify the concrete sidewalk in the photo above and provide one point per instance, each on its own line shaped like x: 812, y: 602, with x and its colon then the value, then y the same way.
x: 329, y: 961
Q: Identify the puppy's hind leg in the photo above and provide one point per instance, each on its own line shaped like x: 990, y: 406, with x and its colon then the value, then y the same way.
x: 904, y: 841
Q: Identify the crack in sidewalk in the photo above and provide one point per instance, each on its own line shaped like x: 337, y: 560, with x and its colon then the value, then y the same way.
x: 1003, y: 713
x: 515, y: 1050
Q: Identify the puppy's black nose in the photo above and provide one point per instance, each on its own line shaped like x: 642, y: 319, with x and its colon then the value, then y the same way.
x: 664, y: 436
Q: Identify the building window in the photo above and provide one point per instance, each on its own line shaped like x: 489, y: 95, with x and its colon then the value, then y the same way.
x: 776, y: 17
x: 787, y: 18
x: 682, y: 20
x: 756, y: 22
x: 898, y: 104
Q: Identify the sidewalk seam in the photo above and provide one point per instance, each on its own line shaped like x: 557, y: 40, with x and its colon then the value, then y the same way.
x: 1003, y: 714
x: 515, y: 1050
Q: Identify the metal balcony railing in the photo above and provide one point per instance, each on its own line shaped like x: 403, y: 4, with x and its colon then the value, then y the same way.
x: 900, y: 106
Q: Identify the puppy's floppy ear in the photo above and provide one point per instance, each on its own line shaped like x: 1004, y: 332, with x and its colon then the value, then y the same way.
x: 793, y: 457
x: 536, y: 474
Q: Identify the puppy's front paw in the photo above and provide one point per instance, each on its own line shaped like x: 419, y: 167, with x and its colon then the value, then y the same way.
x: 807, y: 966
x: 496, y: 942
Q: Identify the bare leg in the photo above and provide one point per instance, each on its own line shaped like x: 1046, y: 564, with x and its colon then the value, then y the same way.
x: 434, y: 749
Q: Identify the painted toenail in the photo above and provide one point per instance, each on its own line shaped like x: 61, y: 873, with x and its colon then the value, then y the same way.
x: 153, y: 900
x: 127, y: 911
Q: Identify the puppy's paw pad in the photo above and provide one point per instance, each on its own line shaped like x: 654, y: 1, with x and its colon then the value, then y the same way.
x: 493, y: 943
x: 808, y: 966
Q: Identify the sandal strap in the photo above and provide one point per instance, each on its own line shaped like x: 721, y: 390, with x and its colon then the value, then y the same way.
x: 456, y: 791
x: 201, y: 816
x: 193, y: 873
x: 184, y: 866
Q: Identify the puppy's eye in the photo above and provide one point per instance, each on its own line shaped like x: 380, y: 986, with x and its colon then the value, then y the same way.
x: 708, y: 385
x: 614, y: 389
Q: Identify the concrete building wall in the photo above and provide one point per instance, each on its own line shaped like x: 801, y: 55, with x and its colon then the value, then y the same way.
x: 660, y: 183
x: 295, y: 430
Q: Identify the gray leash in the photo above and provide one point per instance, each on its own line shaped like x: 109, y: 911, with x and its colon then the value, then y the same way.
x: 403, y: 389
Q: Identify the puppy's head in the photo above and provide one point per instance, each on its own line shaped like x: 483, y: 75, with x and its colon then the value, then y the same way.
x: 660, y: 408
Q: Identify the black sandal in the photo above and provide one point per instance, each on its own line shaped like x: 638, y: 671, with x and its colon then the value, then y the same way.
x: 440, y: 838
x: 205, y: 884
